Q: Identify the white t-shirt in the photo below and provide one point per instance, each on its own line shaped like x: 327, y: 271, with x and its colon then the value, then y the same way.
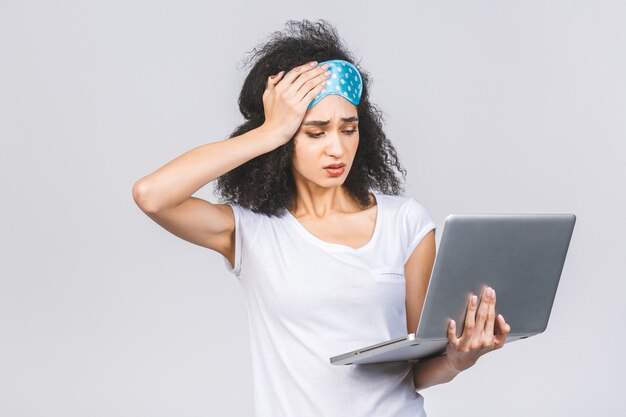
x: 309, y: 300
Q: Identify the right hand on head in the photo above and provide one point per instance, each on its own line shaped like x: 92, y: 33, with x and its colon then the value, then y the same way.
x: 287, y: 96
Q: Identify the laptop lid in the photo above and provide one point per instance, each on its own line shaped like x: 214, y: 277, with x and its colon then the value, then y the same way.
x: 521, y: 256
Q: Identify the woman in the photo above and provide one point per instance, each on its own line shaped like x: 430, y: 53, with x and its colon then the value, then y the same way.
x: 326, y: 266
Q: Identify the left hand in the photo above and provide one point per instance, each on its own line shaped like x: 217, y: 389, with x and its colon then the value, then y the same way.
x: 478, y: 335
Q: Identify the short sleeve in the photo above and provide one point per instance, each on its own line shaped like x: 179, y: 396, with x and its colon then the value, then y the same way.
x: 247, y: 223
x: 417, y: 222
x: 236, y: 269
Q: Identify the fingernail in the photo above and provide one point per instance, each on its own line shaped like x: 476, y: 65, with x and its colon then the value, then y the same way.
x: 501, y: 318
x: 489, y: 292
x: 313, y: 63
x: 474, y: 300
x: 452, y: 324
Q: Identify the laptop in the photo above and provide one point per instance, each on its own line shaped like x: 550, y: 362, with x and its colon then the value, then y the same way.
x: 521, y: 256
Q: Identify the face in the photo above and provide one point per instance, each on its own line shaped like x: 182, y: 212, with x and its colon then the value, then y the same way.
x: 328, y: 135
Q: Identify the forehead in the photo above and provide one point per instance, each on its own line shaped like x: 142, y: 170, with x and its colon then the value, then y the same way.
x: 331, y: 107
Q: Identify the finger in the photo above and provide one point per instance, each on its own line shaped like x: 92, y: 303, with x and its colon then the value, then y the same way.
x: 272, y: 80
x: 491, y: 314
x: 308, y: 97
x: 452, y: 339
x: 316, y: 82
x: 481, y: 314
x: 294, y: 73
x: 306, y: 82
x: 502, y: 332
x: 468, y: 326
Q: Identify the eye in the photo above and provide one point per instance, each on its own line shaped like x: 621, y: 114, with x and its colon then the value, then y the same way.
x: 317, y: 135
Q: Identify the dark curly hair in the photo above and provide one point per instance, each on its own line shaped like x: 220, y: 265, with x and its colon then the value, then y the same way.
x: 265, y: 184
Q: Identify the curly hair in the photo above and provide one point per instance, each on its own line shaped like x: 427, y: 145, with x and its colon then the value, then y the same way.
x: 265, y: 184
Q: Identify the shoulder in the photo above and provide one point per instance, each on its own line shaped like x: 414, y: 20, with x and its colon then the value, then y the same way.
x: 405, y: 205
x: 246, y: 213
x: 390, y: 201
x: 417, y: 222
x: 416, y: 219
x: 247, y: 220
x: 415, y: 208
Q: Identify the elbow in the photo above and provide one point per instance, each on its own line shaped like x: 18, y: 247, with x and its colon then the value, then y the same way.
x: 141, y: 196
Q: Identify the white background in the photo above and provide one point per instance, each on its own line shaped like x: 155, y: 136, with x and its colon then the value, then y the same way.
x: 494, y: 106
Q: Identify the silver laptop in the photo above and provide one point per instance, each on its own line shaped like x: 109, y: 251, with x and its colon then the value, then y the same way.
x: 521, y: 256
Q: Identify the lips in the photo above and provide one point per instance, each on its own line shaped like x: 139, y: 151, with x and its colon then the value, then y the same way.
x: 335, y: 166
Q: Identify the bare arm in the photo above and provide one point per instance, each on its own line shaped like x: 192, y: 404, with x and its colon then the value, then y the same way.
x: 285, y: 104
x: 166, y: 194
x: 433, y: 371
x: 417, y: 272
x: 482, y: 333
x: 177, y: 180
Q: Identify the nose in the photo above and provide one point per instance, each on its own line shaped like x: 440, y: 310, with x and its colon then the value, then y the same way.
x: 334, y: 145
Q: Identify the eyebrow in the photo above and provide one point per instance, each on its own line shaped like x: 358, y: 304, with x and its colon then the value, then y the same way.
x: 325, y: 122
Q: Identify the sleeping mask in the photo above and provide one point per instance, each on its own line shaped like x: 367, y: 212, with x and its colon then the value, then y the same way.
x: 345, y: 81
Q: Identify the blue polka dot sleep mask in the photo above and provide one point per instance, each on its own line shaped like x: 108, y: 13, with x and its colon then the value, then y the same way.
x: 345, y: 81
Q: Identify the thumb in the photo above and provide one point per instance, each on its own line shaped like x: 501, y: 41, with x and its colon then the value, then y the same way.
x: 502, y: 332
x: 452, y: 339
x: 274, y: 79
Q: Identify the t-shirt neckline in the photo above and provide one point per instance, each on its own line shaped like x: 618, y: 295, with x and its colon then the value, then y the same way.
x: 338, y: 246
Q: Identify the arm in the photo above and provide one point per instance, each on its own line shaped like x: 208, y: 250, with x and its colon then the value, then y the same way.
x: 284, y: 103
x: 433, y: 371
x: 482, y: 333
x: 166, y: 194
x: 462, y: 353
x: 176, y: 181
x: 417, y: 272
